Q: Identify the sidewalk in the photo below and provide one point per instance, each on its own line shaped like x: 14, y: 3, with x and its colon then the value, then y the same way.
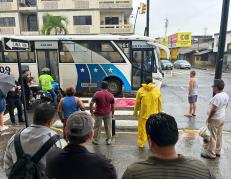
x: 124, y: 151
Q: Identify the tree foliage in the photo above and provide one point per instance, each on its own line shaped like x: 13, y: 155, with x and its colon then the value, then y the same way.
x: 54, y: 25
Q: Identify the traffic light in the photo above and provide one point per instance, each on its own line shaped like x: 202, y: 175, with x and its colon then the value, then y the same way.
x: 143, y: 8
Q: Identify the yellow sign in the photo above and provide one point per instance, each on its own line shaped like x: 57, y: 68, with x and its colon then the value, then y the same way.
x: 163, y: 41
x: 184, y: 39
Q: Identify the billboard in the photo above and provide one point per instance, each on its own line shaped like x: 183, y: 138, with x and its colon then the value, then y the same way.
x: 184, y: 39
x: 181, y: 39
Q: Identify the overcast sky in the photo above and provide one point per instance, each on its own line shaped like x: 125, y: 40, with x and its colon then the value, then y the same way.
x: 183, y: 15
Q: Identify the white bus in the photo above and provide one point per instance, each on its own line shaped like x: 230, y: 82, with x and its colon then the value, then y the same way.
x: 84, y: 61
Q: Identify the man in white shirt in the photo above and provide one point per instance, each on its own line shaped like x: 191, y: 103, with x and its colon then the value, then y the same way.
x: 34, y: 137
x: 216, y: 116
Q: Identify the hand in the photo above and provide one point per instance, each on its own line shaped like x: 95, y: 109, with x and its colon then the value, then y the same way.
x: 91, y: 111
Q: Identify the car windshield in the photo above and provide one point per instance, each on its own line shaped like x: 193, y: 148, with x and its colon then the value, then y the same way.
x: 183, y: 62
x: 165, y: 61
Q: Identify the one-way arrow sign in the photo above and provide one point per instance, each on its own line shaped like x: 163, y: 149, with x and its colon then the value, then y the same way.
x: 11, y: 44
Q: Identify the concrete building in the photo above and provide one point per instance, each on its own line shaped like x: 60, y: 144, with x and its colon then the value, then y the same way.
x: 227, y: 55
x: 25, y: 17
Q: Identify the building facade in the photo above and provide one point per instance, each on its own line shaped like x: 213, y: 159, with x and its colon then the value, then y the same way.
x: 25, y: 17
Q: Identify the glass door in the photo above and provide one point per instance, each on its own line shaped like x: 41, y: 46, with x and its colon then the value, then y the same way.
x: 142, y: 66
x: 48, y: 59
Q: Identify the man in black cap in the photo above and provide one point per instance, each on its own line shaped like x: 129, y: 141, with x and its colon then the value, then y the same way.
x: 215, y: 121
x: 74, y: 161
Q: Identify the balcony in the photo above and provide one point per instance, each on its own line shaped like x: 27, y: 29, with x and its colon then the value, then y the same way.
x: 110, y: 4
x: 116, y: 29
x: 7, y: 30
x: 28, y: 33
x: 6, y: 6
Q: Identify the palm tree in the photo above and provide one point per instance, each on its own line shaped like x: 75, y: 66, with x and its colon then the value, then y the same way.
x: 55, y: 24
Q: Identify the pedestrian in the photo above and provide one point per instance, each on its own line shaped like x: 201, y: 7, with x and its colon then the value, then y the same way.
x: 2, y: 110
x: 164, y: 162
x: 26, y: 85
x: 68, y: 105
x: 74, y: 161
x: 33, y: 138
x: 215, y: 121
x: 192, y: 94
x: 45, y: 81
x: 13, y: 100
x: 104, y: 111
x: 148, y: 101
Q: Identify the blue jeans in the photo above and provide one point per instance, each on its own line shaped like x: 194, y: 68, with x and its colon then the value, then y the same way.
x: 54, y: 97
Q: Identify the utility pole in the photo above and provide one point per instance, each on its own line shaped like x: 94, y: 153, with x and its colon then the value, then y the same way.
x: 147, y: 18
x: 166, y: 27
x: 222, y: 38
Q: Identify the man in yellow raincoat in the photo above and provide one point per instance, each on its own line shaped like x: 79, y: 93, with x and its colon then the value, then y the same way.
x: 148, y: 101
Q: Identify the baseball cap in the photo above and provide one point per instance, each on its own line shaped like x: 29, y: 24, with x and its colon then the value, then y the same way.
x: 79, y: 124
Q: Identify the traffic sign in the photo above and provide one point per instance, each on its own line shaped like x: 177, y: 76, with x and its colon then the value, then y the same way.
x: 11, y: 44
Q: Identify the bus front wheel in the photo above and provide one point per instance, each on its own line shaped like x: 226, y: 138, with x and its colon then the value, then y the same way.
x: 114, y: 86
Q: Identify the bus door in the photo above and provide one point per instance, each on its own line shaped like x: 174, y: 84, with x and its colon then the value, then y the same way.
x: 47, y: 57
x: 142, y: 66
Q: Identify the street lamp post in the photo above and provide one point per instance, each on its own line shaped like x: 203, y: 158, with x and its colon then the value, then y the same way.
x: 222, y: 38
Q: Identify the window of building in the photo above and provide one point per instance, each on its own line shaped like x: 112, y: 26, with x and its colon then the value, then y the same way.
x: 82, y: 20
x: 31, y: 2
x: 32, y: 23
x: 6, y: 0
x: 7, y: 21
x: 111, y: 20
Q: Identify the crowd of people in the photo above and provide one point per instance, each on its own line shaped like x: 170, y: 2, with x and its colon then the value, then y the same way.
x: 67, y: 158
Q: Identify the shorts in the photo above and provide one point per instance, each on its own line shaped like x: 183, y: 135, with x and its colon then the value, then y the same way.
x: 192, y: 99
x: 2, y: 105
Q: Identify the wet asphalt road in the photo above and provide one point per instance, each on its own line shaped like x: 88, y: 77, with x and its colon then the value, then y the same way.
x: 175, y: 102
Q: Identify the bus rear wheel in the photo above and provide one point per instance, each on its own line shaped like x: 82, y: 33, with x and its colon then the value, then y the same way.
x: 114, y: 86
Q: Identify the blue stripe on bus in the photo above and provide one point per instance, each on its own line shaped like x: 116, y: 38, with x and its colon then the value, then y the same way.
x: 96, y: 73
x: 112, y: 70
x: 83, y: 76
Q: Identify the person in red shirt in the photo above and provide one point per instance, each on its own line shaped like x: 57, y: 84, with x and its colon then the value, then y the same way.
x: 104, y: 111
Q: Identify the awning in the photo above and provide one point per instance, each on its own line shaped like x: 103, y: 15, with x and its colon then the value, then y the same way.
x: 183, y: 51
x: 203, y: 52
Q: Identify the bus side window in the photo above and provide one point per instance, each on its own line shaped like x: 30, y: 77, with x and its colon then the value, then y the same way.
x: 10, y: 57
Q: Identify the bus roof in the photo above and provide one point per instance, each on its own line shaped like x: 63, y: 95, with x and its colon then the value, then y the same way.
x: 80, y: 37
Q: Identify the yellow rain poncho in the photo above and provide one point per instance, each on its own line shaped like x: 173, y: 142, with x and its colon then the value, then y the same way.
x: 148, y: 101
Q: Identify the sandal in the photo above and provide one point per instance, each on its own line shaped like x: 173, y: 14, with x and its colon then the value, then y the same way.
x: 188, y: 115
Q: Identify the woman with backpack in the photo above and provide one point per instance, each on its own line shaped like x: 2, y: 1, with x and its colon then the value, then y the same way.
x: 68, y: 105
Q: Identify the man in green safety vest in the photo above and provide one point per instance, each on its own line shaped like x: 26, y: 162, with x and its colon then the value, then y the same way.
x: 46, y: 81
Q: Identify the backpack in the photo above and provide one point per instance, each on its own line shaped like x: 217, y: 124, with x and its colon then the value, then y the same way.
x: 26, y: 166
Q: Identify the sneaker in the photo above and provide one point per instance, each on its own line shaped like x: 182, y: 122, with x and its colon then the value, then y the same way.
x: 204, y: 155
x: 2, y: 128
x: 95, y: 142
x: 108, y: 141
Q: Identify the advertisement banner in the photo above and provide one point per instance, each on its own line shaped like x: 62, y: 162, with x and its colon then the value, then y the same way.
x: 184, y: 39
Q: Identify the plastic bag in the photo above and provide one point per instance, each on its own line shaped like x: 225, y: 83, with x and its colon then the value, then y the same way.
x: 204, y: 132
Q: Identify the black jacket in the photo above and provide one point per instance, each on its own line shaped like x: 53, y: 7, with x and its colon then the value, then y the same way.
x: 75, y: 162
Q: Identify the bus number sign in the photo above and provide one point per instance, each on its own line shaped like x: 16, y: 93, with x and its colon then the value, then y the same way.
x: 5, y: 69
